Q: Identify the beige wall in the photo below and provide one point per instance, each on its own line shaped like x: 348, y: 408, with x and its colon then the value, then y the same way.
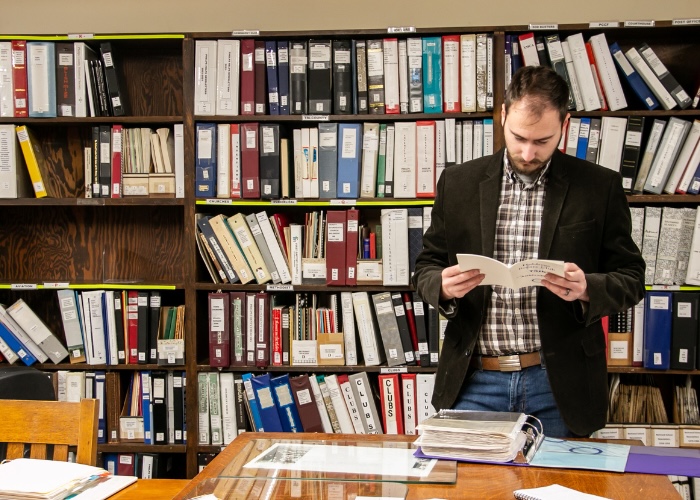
x: 144, y: 16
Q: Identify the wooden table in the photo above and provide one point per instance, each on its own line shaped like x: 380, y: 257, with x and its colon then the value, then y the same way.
x: 151, y: 489
x: 477, y: 481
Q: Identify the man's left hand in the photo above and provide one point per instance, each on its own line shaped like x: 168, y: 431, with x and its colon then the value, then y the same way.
x: 572, y: 286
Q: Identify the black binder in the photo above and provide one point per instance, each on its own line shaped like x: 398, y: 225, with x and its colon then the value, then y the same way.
x: 342, y: 77
x: 160, y: 407
x: 297, y: 76
x: 153, y: 326
x: 320, y: 74
x: 269, y: 161
x: 116, y: 90
x: 684, y: 330
x: 143, y: 328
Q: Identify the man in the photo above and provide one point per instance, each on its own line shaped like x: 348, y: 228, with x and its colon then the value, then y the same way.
x: 530, y: 201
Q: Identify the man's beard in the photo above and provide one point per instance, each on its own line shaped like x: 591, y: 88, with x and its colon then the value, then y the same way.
x: 526, y: 168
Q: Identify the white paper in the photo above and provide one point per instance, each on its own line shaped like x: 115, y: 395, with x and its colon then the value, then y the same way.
x: 342, y: 459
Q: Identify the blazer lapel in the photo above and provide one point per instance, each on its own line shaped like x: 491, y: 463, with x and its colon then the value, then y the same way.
x: 557, y: 187
x: 489, y: 192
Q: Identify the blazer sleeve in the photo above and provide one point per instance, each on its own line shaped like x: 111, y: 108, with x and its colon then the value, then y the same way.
x: 619, y: 284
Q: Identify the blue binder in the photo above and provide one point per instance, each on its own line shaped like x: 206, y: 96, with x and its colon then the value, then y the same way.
x: 205, y: 176
x: 288, y: 413
x: 283, y: 75
x: 16, y: 346
x: 640, y: 88
x: 146, y: 407
x: 266, y: 403
x: 657, y: 330
x: 252, y: 402
x: 349, y: 160
x: 582, y: 145
x: 273, y: 93
x: 432, y: 74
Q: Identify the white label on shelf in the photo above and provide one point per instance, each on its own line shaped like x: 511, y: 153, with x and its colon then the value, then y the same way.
x: 283, y: 201
x: 639, y: 24
x: 280, y: 288
x: 315, y: 118
x: 90, y: 201
x: 216, y: 201
x: 342, y: 202
x: 394, y: 369
x: 604, y: 24
x: 672, y: 288
x: 80, y: 36
x: 23, y: 286
x: 685, y: 22
x: 63, y: 284
x: 543, y: 26
x: 401, y: 29
x: 245, y: 33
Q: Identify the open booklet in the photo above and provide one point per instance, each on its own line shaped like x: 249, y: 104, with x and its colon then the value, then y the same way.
x: 524, y: 273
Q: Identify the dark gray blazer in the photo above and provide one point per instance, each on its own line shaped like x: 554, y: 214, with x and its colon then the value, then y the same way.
x: 587, y: 221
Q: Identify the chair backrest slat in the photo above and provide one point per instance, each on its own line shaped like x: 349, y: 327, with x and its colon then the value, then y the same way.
x: 58, y: 423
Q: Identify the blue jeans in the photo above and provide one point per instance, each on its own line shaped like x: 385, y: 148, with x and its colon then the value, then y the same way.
x: 526, y: 391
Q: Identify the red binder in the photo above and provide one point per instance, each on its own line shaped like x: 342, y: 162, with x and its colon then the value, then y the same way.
x: 353, y: 216
x: 247, y: 77
x: 250, y: 160
x: 260, y: 92
x: 19, y: 78
x: 133, y: 326
x: 390, y: 396
x: 336, y: 232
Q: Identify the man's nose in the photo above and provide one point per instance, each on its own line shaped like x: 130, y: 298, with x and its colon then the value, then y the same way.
x: 529, y: 152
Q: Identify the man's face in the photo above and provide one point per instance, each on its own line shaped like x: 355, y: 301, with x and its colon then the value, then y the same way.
x: 531, y: 139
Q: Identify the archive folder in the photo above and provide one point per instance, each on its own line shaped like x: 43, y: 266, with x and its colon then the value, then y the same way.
x: 320, y: 77
x: 342, y: 77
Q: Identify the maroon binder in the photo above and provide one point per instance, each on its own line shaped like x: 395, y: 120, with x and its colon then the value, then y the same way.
x: 219, y: 338
x: 336, y: 237
x: 260, y: 73
x: 250, y: 160
x: 306, y: 403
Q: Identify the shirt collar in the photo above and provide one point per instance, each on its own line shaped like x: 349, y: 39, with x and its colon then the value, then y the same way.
x: 514, y: 177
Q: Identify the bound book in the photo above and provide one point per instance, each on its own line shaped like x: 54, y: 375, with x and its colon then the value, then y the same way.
x: 486, y: 436
x: 524, y: 273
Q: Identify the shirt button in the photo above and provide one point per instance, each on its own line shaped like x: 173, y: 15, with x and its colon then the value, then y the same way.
x: 517, y: 311
x: 517, y: 253
x: 467, y: 353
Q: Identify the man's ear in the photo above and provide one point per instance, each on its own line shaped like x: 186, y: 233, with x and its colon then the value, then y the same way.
x: 565, y: 125
x: 503, y: 114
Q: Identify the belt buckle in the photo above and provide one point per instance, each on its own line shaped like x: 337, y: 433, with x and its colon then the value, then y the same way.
x: 509, y: 363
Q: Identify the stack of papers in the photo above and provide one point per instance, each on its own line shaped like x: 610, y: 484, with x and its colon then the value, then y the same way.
x: 475, y: 435
x: 47, y: 479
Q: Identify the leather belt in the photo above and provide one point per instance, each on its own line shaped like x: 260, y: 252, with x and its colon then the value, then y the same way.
x: 512, y: 363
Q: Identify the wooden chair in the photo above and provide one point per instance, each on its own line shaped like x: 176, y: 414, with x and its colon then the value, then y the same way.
x: 57, y: 423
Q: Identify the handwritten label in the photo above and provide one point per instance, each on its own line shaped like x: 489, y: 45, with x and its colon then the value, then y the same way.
x: 639, y: 24
x: 23, y: 286
x: 57, y: 285
x: 280, y: 288
x: 394, y: 369
x: 315, y: 118
x: 401, y: 29
x: 245, y: 33
x: 604, y: 24
x: 543, y: 26
x: 342, y: 202
x: 283, y: 202
x: 685, y: 22
x: 80, y: 36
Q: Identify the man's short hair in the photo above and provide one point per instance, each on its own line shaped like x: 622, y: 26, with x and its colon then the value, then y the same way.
x: 542, y: 86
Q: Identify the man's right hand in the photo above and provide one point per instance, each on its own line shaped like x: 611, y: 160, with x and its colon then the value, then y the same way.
x: 456, y: 284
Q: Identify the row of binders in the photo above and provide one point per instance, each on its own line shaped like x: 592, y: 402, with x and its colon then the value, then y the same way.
x: 118, y: 162
x: 151, y: 411
x: 100, y: 327
x: 141, y: 465
x: 334, y: 160
x: 450, y: 73
x: 334, y: 247
x: 669, y: 241
x: 230, y: 404
x: 661, y: 332
x: 592, y: 69
x: 43, y: 79
x: 669, y: 162
x: 306, y: 329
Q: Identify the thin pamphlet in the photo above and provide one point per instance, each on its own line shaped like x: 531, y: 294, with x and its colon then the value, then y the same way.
x: 521, y: 274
